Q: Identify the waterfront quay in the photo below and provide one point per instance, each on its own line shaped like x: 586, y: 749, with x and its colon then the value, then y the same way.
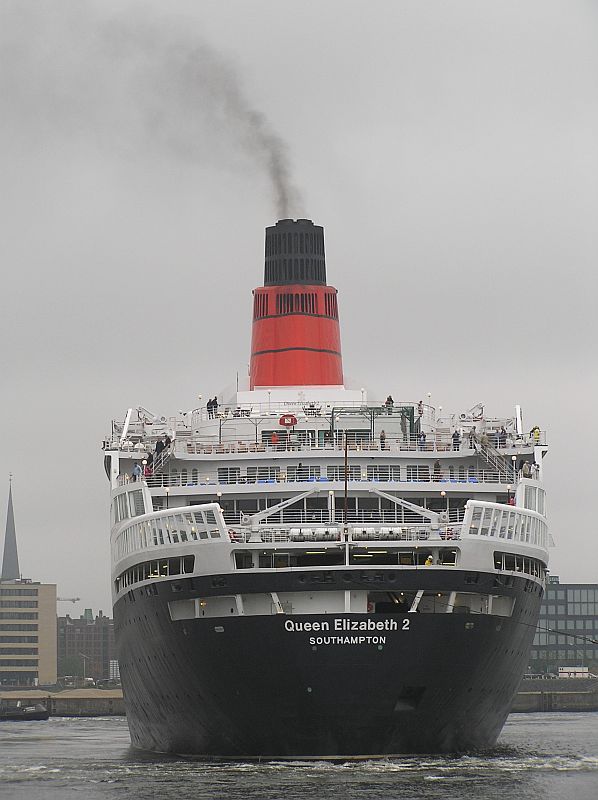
x: 69, y: 703
x: 535, y: 694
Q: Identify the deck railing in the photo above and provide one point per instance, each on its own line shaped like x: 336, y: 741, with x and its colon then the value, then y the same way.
x: 434, y: 443
x: 334, y: 533
x: 395, y: 516
x: 444, y: 480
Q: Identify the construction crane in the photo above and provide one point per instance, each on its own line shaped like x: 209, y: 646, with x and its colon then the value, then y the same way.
x: 67, y: 599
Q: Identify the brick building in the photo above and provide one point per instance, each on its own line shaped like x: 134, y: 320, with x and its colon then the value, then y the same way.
x: 86, y: 645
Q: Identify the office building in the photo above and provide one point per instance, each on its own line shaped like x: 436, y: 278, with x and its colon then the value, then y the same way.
x: 567, y: 633
x: 27, y: 620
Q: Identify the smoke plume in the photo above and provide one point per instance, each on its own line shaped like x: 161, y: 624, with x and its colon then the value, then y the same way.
x: 70, y: 73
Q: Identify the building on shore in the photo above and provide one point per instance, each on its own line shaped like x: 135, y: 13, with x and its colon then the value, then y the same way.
x: 27, y: 620
x: 86, y: 646
x: 567, y: 633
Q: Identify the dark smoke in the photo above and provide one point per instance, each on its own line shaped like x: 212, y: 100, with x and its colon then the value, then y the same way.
x: 70, y: 72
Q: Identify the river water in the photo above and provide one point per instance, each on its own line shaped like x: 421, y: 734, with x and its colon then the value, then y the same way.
x: 539, y: 756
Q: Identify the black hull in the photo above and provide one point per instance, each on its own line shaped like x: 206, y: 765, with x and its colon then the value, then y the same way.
x: 256, y: 689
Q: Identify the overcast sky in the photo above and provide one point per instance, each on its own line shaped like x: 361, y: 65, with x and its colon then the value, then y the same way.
x: 449, y: 148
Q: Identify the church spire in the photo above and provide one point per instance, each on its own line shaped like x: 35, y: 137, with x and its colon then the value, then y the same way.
x: 10, y: 559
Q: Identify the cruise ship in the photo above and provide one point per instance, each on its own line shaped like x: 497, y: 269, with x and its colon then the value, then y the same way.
x: 301, y: 570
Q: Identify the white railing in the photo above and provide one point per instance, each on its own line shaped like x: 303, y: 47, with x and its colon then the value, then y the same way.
x: 194, y: 524
x: 170, y: 526
x: 333, y: 533
x: 395, y: 516
x: 141, y: 436
x: 309, y: 408
x: 509, y: 523
x: 434, y: 443
x: 417, y: 475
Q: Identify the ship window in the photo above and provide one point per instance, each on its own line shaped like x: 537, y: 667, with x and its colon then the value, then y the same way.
x: 229, y: 474
x: 447, y: 557
x: 281, y: 560
x: 243, y: 560
x: 530, y: 497
x: 268, y: 474
x: 381, y: 472
x: 155, y: 569
x: 418, y: 472
x: 302, y: 472
x: 188, y: 564
x: 122, y: 507
x: 485, y: 523
x: 338, y: 473
x: 476, y: 518
x: 136, y: 503
x: 516, y: 563
x: 366, y: 556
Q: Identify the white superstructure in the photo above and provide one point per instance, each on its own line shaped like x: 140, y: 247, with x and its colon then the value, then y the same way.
x: 296, y: 479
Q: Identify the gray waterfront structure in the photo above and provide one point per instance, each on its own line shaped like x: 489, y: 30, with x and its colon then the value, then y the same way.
x: 567, y: 633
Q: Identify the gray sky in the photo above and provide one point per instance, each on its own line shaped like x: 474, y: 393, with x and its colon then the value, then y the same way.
x: 449, y: 148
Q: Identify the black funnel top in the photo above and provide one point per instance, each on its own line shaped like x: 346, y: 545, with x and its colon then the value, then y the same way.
x: 295, y: 253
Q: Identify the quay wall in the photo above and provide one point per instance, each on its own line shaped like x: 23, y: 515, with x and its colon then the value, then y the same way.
x: 73, y: 703
x: 558, y: 694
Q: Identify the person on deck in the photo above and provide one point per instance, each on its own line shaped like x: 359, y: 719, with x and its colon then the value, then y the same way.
x: 472, y: 437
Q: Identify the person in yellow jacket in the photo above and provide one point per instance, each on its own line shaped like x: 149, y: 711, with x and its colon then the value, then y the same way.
x: 429, y: 561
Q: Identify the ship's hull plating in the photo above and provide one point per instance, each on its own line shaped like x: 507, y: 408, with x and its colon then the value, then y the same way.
x: 259, y: 686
